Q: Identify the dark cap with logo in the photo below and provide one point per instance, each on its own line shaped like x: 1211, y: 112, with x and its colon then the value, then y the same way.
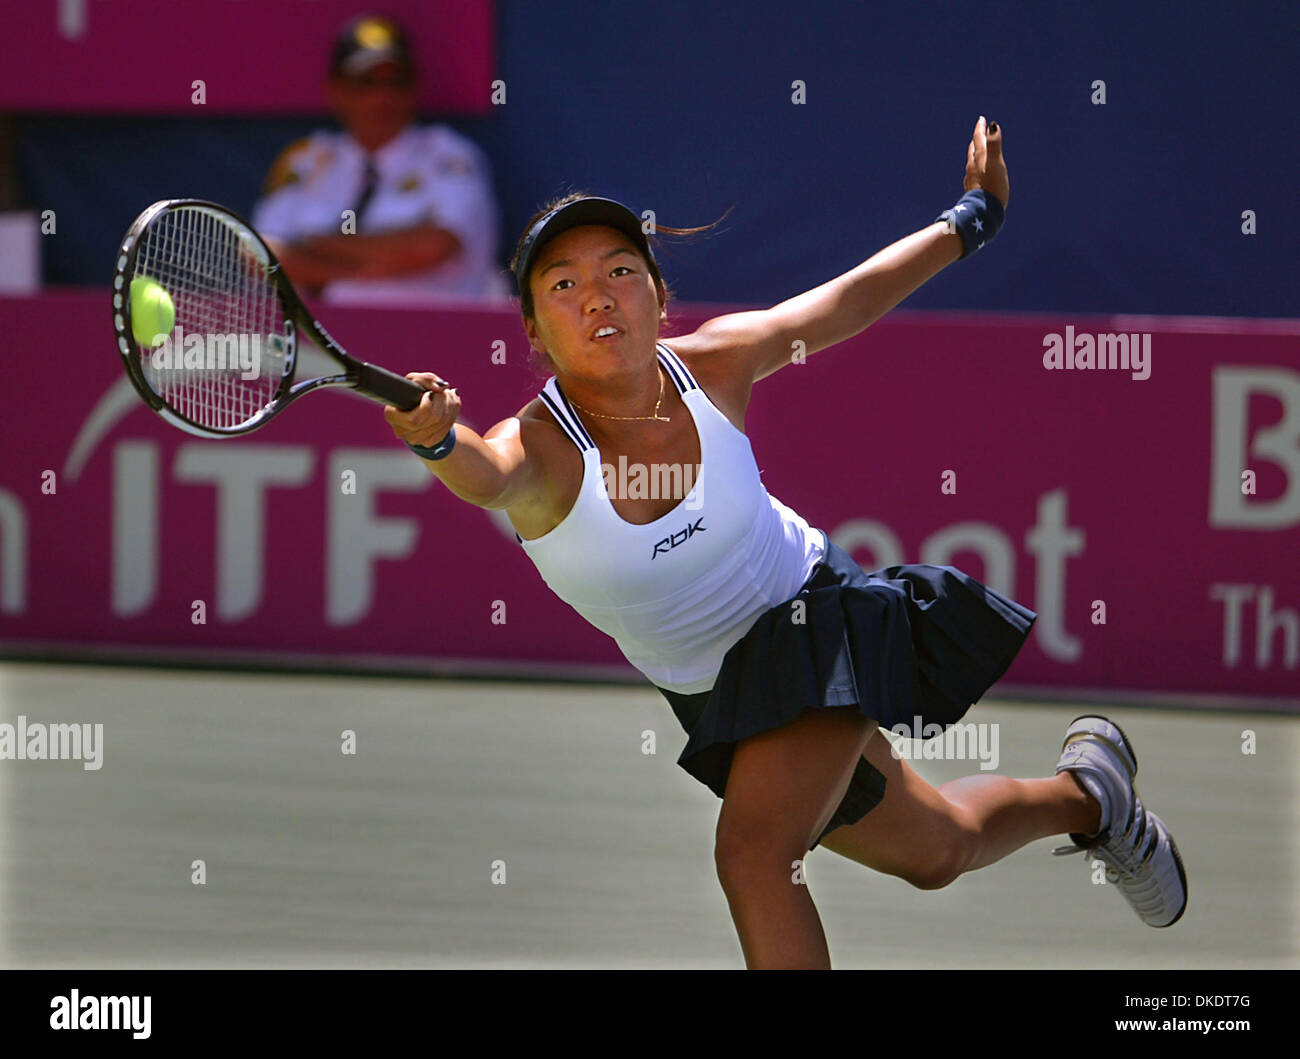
x: 365, y: 42
x: 591, y: 210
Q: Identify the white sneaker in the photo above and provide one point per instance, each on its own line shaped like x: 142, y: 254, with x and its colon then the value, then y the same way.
x: 1142, y: 859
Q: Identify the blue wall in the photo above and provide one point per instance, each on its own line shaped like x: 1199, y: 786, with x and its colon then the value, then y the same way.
x: 685, y: 108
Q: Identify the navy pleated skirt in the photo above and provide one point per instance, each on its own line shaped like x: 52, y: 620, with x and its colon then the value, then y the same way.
x: 899, y: 643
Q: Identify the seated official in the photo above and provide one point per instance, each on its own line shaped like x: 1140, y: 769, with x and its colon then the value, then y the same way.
x: 386, y: 210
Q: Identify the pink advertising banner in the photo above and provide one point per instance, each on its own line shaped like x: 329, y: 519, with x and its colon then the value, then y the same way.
x: 252, y: 56
x: 1149, y: 513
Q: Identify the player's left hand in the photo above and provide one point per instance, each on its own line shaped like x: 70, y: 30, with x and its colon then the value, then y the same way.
x: 985, y: 166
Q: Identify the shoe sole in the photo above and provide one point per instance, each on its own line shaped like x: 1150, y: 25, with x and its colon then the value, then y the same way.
x: 1182, y: 878
x: 1178, y: 860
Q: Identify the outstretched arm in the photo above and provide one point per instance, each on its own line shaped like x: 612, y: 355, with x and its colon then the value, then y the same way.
x: 494, y: 470
x: 759, y: 343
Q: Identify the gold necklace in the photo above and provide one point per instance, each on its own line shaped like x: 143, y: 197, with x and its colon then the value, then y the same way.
x: 656, y: 416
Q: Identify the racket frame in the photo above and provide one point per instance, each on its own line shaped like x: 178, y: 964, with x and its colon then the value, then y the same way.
x: 368, y: 380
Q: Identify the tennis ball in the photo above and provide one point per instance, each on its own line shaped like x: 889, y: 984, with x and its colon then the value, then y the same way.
x: 152, y: 311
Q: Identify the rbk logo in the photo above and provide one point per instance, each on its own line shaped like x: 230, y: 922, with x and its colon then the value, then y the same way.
x: 669, y: 543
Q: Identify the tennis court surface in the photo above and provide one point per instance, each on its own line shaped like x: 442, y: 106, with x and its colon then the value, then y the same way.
x: 386, y: 857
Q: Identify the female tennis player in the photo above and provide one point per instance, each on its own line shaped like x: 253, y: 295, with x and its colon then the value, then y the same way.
x: 778, y: 654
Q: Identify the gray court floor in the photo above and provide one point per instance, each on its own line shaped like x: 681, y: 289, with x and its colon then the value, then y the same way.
x: 386, y: 857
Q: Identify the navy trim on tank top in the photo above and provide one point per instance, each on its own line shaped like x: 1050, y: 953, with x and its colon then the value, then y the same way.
x: 677, y: 371
x: 572, y: 425
x: 568, y: 423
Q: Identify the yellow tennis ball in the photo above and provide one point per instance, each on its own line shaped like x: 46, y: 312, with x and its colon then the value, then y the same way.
x: 152, y: 311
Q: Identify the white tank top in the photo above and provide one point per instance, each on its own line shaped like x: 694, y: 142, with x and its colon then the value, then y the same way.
x: 676, y: 593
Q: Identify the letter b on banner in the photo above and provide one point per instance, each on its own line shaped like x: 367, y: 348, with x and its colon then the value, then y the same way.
x: 1278, y: 445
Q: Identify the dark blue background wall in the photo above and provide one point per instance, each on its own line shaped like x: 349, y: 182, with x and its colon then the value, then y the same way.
x: 685, y: 108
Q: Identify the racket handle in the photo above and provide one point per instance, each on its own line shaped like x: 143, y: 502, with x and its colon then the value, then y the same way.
x: 389, y: 388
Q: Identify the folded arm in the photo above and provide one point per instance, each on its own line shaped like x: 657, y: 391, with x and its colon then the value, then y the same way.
x: 319, y: 260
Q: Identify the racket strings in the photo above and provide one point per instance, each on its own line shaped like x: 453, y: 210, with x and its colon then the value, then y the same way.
x: 226, y: 357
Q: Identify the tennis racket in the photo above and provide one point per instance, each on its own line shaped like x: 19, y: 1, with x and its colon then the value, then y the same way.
x: 227, y: 365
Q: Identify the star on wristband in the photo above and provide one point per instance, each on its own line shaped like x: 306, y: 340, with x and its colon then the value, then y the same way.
x: 976, y: 219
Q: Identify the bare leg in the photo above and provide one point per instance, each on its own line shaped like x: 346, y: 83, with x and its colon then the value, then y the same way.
x: 930, y: 836
x: 1009, y: 813
x: 782, y: 789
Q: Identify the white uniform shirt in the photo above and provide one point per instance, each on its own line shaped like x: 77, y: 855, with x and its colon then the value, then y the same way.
x: 426, y: 174
x: 677, y: 593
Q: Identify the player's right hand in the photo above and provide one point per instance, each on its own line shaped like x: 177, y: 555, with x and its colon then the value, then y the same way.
x: 429, y: 421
